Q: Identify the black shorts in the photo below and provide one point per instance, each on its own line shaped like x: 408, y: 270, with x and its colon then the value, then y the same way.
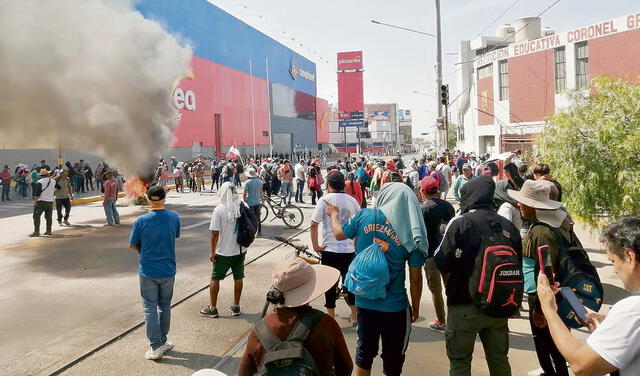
x: 394, y: 328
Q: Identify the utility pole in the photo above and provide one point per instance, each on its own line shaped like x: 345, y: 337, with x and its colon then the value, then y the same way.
x: 439, y: 68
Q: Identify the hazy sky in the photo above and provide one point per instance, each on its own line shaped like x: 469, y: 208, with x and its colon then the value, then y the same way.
x: 397, y: 62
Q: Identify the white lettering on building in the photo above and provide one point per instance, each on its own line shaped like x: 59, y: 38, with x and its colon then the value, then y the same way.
x: 617, y: 25
x: 182, y: 99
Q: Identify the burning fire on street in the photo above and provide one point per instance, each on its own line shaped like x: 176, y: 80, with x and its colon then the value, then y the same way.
x: 135, y: 188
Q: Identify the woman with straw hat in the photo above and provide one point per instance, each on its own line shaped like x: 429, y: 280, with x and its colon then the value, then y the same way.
x: 295, y: 284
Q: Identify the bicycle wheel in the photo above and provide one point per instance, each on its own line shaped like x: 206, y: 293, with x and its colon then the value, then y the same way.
x: 292, y: 216
x: 264, y: 213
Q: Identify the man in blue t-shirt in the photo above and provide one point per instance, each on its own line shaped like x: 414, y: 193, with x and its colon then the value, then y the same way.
x: 389, y: 318
x: 154, y: 237
x: 252, y: 194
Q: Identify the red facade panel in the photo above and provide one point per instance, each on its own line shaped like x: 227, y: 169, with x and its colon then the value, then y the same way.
x: 217, y: 89
x: 531, y: 87
x: 485, y: 101
x: 616, y: 55
x: 322, y: 121
x: 350, y: 92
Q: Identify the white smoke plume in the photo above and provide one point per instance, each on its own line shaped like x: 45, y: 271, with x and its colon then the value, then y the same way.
x: 94, y: 75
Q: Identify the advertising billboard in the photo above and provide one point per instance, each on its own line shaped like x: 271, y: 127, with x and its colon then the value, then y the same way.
x: 322, y: 121
x: 350, y: 91
x: 350, y: 60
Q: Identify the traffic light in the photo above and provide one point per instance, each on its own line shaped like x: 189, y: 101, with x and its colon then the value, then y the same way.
x: 444, y: 94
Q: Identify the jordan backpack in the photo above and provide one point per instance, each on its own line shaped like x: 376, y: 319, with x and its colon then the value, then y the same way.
x: 496, y: 284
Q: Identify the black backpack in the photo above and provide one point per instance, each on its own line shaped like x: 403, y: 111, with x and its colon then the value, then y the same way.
x: 497, y: 282
x: 407, y: 181
x: 575, y: 270
x: 247, y: 226
x: 288, y: 357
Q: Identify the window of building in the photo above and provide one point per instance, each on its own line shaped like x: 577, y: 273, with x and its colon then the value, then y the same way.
x: 560, y: 69
x: 582, y: 65
x: 485, y: 71
x: 503, y: 69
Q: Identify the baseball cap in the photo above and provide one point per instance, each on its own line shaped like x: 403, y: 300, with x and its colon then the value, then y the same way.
x: 466, y: 166
x: 335, y: 178
x: 156, y: 193
x: 428, y: 183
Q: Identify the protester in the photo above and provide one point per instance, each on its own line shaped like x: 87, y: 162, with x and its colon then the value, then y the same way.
x: 314, y: 182
x: 252, y: 194
x: 110, y: 198
x: 412, y: 177
x: 178, y: 178
x: 398, y: 224
x: 216, y: 170
x: 63, y: 195
x: 463, y: 179
x: 99, y: 176
x: 225, y: 252
x: 5, y: 180
x: 335, y: 253
x: 295, y: 284
x: 543, y: 172
x: 353, y: 188
x: 88, y: 175
x: 239, y: 169
x: 457, y: 256
x: 445, y: 177
x: 436, y: 213
x: 285, y: 175
x: 43, y: 202
x: 614, y: 344
x: 154, y: 237
x: 548, y: 222
x: 300, y: 180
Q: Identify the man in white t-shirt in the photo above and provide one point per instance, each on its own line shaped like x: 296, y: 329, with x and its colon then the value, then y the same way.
x: 614, y: 344
x: 300, y: 179
x: 445, y: 172
x: 43, y: 202
x: 335, y: 253
x: 226, y: 252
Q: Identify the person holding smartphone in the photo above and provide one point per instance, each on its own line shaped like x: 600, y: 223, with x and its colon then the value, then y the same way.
x: 614, y: 343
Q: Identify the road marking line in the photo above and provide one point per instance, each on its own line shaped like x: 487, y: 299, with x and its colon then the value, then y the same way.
x: 195, y: 225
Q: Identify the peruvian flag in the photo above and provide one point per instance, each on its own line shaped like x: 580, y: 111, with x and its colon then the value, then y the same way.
x: 233, y: 153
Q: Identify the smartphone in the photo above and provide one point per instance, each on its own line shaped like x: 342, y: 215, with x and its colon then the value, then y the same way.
x: 578, y: 308
x: 544, y: 260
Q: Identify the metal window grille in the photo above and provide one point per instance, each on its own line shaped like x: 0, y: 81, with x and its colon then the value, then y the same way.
x: 560, y: 69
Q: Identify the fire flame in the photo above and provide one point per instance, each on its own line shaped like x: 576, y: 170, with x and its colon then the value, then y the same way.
x: 135, y: 188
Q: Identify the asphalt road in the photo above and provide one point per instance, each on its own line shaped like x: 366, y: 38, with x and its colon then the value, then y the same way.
x: 67, y: 294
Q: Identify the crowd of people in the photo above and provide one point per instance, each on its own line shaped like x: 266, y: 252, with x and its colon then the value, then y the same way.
x: 487, y: 256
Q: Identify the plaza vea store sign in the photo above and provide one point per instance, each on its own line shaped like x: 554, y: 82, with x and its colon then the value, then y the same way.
x: 617, y: 25
x: 184, y: 99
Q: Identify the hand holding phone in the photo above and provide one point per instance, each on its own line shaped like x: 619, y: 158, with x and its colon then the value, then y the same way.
x: 578, y: 308
x: 544, y: 261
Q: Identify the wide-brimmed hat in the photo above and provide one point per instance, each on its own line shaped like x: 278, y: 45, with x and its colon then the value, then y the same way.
x: 553, y: 218
x: 301, y: 282
x: 251, y: 173
x: 44, y: 172
x: 535, y: 194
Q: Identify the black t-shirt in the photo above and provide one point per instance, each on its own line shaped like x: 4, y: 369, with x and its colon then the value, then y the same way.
x: 436, y: 212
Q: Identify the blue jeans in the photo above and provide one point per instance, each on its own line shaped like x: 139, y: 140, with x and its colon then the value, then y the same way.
x: 5, y: 191
x: 156, y: 300
x: 299, y: 190
x: 285, y: 190
x: 111, y: 211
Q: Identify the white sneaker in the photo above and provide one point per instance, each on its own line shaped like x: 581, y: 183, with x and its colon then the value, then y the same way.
x: 152, y: 354
x: 167, y: 346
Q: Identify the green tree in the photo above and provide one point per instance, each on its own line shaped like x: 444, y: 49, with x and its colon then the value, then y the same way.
x: 593, y: 149
x: 452, y: 136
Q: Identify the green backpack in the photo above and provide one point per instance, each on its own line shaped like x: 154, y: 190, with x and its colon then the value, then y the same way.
x: 288, y: 357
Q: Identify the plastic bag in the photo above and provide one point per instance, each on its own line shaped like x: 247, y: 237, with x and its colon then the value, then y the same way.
x: 368, y: 274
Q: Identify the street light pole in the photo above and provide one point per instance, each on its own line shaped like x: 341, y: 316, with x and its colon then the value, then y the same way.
x: 439, y: 66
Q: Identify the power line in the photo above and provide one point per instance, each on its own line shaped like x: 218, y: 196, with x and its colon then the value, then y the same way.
x: 500, y: 44
x: 498, y: 18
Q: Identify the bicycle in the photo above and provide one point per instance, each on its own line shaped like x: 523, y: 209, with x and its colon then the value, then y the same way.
x: 302, y: 251
x: 290, y: 214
